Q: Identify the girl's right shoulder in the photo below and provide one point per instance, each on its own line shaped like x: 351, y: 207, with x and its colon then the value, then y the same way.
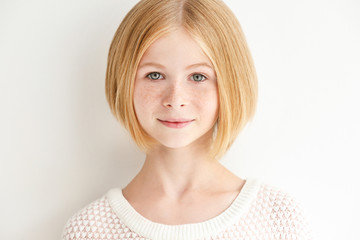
x: 97, y: 220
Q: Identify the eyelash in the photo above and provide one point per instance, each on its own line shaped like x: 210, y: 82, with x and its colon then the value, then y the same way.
x: 205, y: 77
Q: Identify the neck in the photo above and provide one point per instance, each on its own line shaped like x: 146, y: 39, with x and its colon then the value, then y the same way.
x: 176, y: 172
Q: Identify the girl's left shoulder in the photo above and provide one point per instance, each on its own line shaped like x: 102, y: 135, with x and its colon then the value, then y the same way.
x: 283, y: 210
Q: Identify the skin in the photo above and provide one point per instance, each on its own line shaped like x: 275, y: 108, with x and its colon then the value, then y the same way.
x: 177, y: 183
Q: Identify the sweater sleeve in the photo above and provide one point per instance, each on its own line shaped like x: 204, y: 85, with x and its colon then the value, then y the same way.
x: 289, y: 218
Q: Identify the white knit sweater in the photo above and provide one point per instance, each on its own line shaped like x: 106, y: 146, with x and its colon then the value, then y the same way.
x: 259, y: 212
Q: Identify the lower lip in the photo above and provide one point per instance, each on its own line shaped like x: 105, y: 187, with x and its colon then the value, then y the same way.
x: 176, y: 124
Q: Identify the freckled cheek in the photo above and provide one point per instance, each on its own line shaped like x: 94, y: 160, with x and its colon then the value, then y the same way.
x: 206, y: 101
x: 145, y: 98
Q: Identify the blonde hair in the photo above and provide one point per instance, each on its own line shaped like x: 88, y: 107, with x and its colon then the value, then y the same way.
x: 215, y: 28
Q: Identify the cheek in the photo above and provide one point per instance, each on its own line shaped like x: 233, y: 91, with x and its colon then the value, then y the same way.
x: 206, y: 101
x: 144, y: 98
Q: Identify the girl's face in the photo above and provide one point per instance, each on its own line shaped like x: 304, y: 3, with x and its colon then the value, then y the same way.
x: 175, y: 92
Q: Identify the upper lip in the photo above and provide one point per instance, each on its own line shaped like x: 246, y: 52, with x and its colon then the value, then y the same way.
x: 176, y: 120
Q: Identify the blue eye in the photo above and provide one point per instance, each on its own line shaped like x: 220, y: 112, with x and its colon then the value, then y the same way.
x: 198, y: 77
x: 154, y: 76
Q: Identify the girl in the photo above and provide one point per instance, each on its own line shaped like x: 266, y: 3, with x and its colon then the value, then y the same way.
x: 181, y: 80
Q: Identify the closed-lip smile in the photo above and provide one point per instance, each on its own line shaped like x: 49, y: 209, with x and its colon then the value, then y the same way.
x: 176, y: 122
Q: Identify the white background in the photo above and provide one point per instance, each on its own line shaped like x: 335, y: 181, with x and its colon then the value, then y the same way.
x: 61, y: 148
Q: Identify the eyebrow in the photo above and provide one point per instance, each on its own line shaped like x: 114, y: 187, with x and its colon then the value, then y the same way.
x: 203, y: 64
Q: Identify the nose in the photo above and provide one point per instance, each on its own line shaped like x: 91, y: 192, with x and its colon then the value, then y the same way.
x: 175, y: 97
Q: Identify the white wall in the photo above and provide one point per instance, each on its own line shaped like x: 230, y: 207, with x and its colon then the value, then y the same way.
x: 61, y: 148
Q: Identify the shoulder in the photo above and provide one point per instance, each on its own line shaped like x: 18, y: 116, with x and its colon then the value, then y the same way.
x: 97, y: 220
x: 282, y: 212
x: 276, y: 198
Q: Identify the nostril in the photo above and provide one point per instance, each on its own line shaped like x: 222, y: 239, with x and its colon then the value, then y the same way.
x: 170, y: 105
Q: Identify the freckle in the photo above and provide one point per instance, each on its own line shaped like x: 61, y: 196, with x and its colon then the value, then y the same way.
x: 148, y: 94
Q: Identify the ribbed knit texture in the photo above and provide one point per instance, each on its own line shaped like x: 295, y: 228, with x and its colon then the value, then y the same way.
x: 259, y: 212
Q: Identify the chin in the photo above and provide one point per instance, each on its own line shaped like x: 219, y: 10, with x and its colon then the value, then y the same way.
x: 178, y: 143
x: 175, y: 144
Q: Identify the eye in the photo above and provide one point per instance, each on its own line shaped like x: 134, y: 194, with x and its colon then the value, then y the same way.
x: 198, y: 77
x: 154, y: 76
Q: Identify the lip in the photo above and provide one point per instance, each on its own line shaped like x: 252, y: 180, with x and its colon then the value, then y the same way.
x: 176, y: 123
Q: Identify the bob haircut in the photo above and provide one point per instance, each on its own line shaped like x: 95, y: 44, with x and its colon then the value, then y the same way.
x: 217, y: 31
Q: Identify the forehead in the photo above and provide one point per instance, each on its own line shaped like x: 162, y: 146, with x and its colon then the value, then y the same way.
x: 177, y: 47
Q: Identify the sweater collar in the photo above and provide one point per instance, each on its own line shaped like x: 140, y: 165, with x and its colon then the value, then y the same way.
x: 157, y: 231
